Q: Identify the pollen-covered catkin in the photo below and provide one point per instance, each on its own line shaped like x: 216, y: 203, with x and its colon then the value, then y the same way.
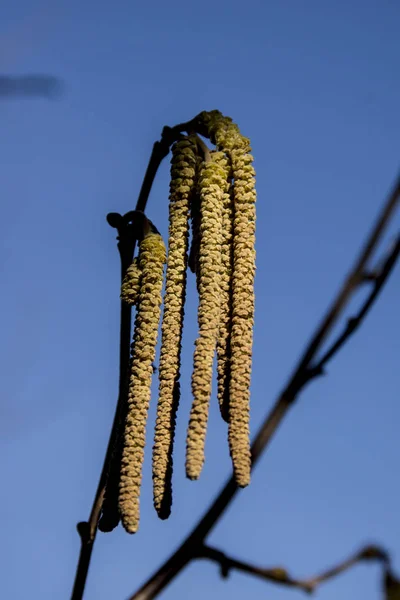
x: 242, y: 315
x: 224, y: 331
x: 227, y: 137
x: 110, y: 513
x: 131, y: 283
x: 195, y: 226
x: 183, y: 171
x: 212, y: 183
x: 152, y: 257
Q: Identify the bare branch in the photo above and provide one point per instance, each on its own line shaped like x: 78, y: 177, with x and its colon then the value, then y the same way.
x: 378, y: 280
x: 281, y: 576
x: 301, y: 375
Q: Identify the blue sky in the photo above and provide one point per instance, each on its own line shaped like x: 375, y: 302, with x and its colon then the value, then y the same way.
x: 314, y: 85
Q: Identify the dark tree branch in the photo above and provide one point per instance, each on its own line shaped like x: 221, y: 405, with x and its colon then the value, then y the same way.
x: 301, y: 375
x: 130, y: 230
x: 378, y: 280
x: 281, y: 576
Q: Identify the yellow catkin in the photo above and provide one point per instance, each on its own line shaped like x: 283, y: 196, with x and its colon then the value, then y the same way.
x: 225, y: 322
x: 226, y: 135
x: 242, y: 315
x: 131, y: 283
x: 183, y: 171
x: 152, y: 258
x: 212, y: 182
x: 110, y: 513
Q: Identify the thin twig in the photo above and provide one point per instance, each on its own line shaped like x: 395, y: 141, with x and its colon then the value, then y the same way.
x: 88, y: 530
x: 302, y: 374
x: 281, y: 576
x: 378, y: 280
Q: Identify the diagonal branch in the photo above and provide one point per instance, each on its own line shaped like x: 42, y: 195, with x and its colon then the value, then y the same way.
x: 281, y: 576
x: 301, y: 375
x: 378, y: 280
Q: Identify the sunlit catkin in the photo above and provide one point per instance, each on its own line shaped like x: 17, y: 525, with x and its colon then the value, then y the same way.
x: 183, y: 171
x: 152, y: 257
x: 226, y: 135
x: 224, y: 331
x: 242, y: 315
x: 131, y: 283
x: 212, y: 183
x: 110, y: 514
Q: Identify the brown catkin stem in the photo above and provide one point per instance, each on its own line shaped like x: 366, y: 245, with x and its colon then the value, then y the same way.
x: 152, y: 258
x: 212, y: 183
x: 183, y: 171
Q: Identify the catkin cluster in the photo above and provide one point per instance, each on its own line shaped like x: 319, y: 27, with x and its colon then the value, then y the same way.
x: 213, y: 185
x: 235, y: 241
x: 213, y: 192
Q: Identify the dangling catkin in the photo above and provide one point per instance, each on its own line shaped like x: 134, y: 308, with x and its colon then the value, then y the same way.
x: 225, y: 321
x: 183, y: 171
x: 212, y: 183
x: 242, y: 315
x: 227, y: 137
x: 152, y: 258
x: 110, y: 513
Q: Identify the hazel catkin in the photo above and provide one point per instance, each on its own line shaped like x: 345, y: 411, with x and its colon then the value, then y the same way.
x: 152, y: 258
x: 242, y: 316
x: 227, y: 137
x: 212, y: 183
x: 183, y: 171
x: 225, y: 320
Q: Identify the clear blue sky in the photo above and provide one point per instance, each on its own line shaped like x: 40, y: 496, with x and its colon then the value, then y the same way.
x: 315, y: 86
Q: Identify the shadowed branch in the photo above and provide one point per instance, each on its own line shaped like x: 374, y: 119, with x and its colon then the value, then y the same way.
x: 281, y: 576
x: 377, y: 278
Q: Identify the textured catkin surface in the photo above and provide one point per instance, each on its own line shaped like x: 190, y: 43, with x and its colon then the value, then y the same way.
x: 152, y: 258
x: 110, y: 513
x: 225, y: 320
x: 183, y: 171
x: 212, y: 182
x: 226, y: 135
x: 242, y: 315
x: 131, y: 283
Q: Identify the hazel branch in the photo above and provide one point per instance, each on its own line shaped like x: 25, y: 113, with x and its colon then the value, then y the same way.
x: 281, y: 576
x: 378, y: 279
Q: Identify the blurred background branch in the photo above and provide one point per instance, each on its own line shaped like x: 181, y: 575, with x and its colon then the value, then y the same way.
x: 45, y: 86
x: 281, y: 576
